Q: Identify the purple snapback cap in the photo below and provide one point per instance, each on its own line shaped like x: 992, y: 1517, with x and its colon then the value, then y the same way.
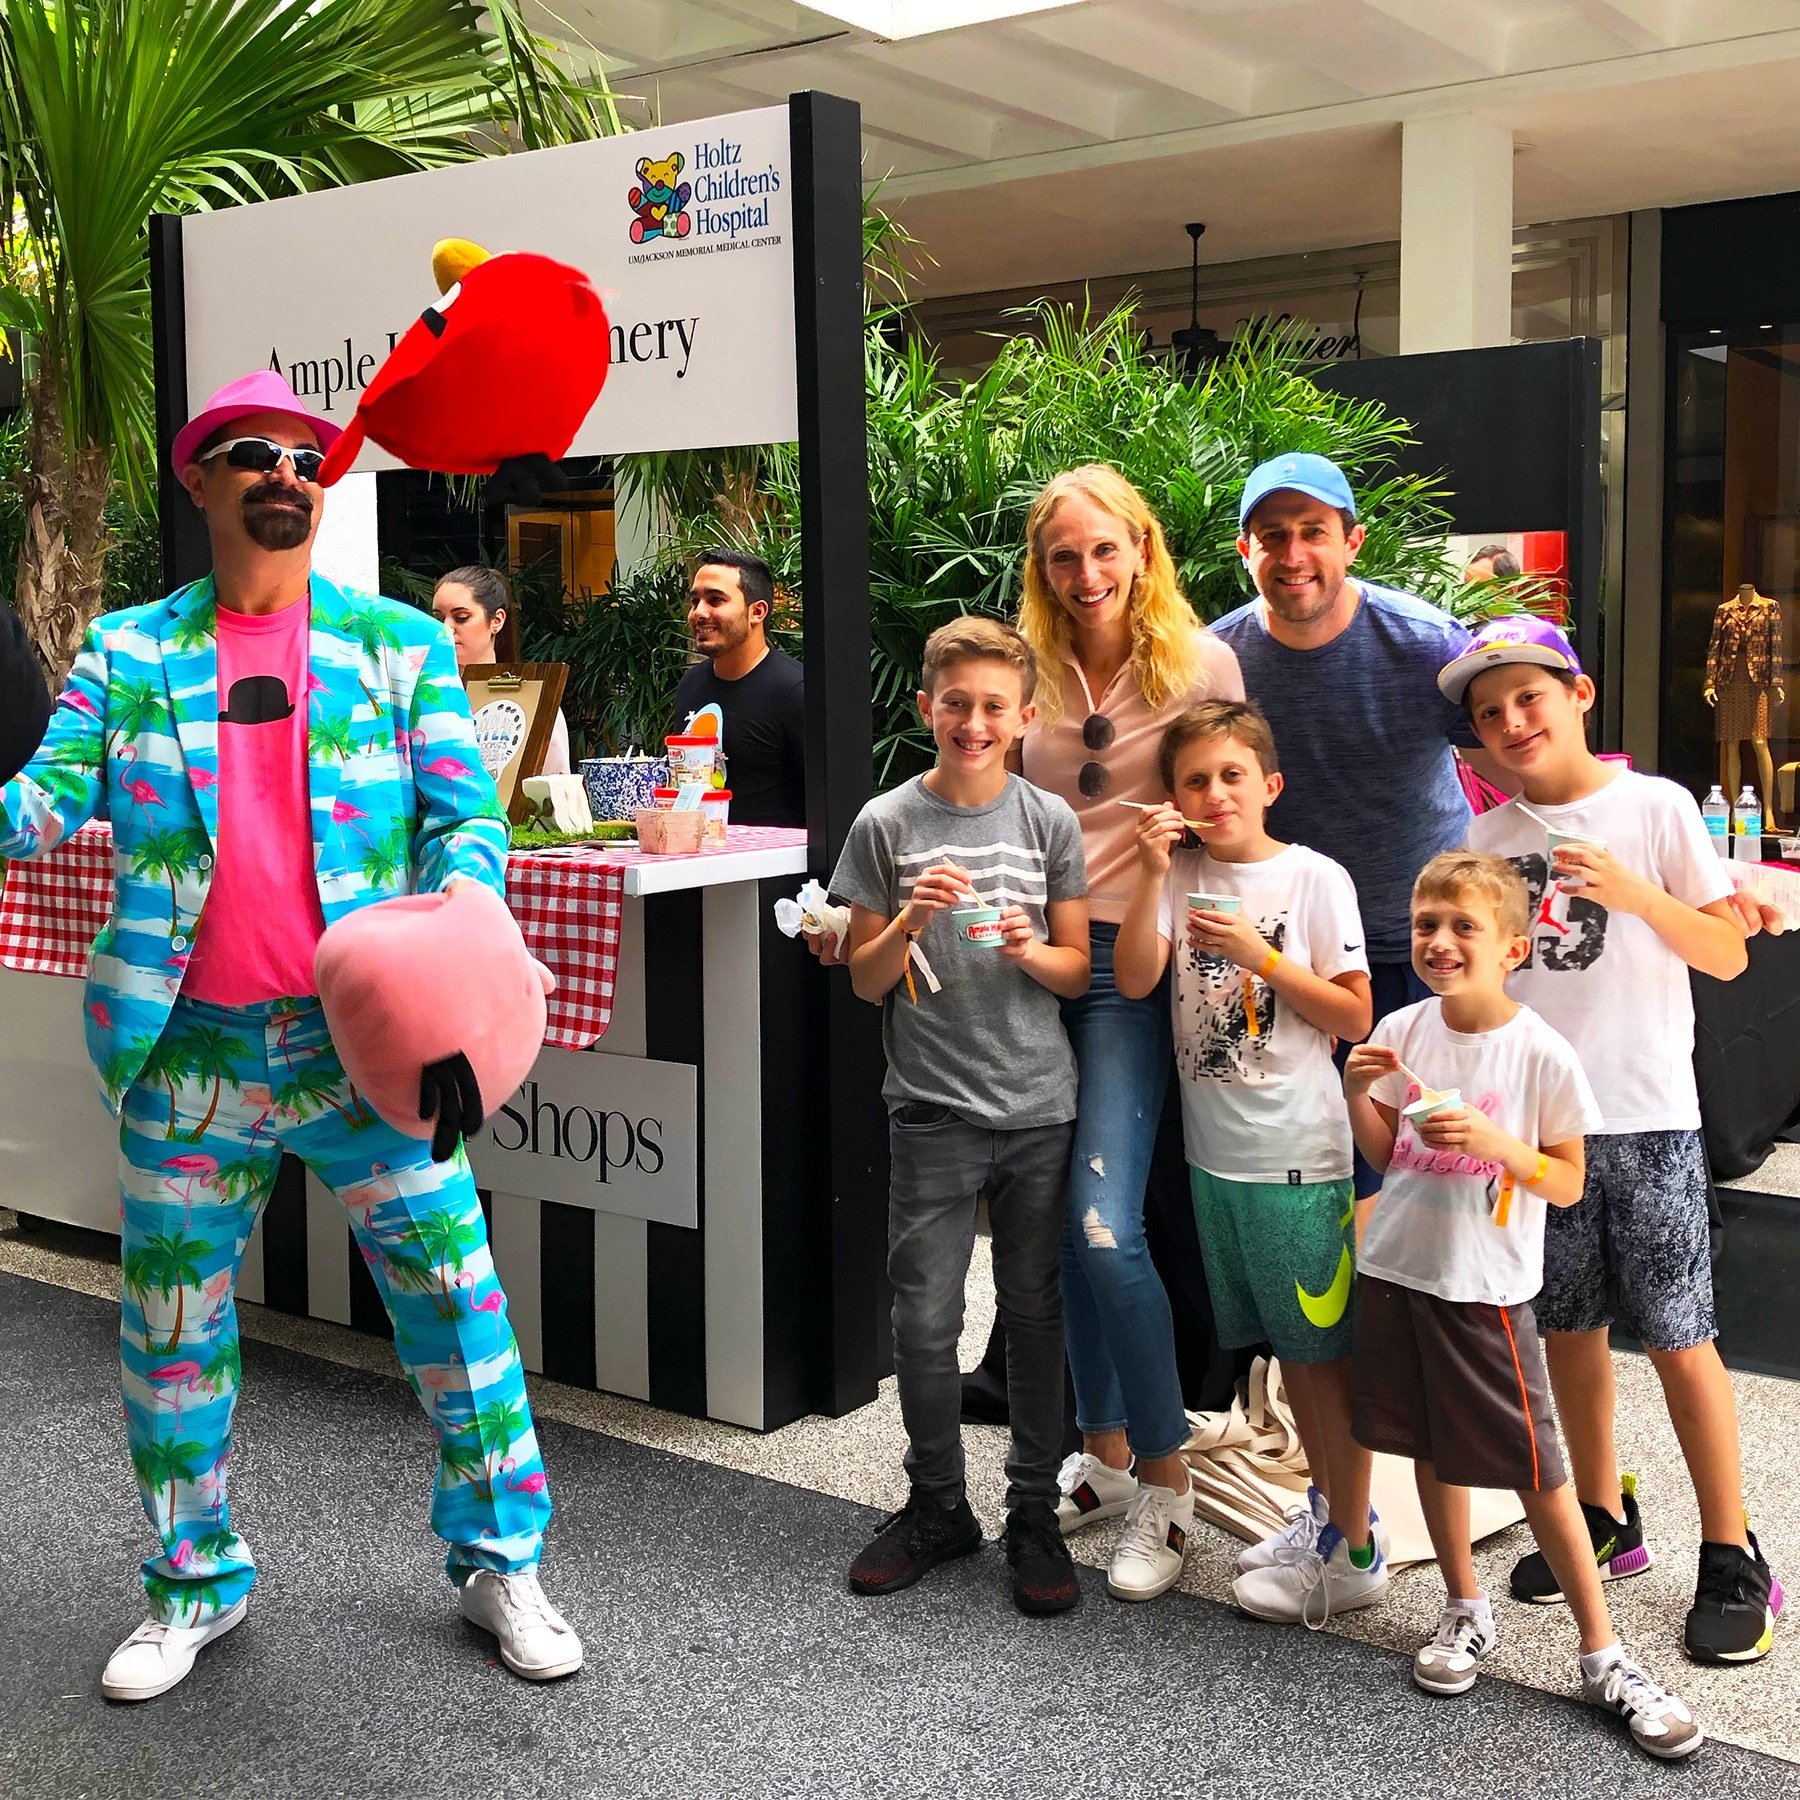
x: 1521, y: 638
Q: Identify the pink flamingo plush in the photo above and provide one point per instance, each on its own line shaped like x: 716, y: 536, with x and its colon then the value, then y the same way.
x: 179, y: 1378
x: 192, y: 1166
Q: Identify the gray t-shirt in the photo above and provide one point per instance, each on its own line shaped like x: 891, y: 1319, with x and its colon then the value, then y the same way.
x: 990, y: 1045
x: 1364, y: 739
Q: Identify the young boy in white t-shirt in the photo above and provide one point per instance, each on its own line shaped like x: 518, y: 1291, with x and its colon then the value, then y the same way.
x: 1446, y: 1365
x: 1264, y: 980
x: 1630, y: 898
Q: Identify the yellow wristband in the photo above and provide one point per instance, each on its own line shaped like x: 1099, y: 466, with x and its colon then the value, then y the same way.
x: 1268, y: 964
x: 1539, y: 1172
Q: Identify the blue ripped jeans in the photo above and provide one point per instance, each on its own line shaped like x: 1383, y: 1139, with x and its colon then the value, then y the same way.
x: 1115, y: 1312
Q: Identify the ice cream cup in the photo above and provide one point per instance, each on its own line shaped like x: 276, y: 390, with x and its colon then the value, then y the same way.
x: 1220, y: 903
x: 1562, y: 839
x: 1448, y: 1101
x: 978, y: 924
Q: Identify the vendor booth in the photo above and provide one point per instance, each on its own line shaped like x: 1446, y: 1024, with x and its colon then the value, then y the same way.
x: 687, y: 1195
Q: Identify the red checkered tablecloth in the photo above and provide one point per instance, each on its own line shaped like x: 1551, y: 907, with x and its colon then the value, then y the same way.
x: 54, y: 906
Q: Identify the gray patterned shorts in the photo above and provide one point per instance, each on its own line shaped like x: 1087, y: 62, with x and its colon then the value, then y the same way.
x: 1635, y: 1248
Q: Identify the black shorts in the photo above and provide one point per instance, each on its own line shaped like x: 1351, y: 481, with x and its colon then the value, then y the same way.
x: 1456, y: 1383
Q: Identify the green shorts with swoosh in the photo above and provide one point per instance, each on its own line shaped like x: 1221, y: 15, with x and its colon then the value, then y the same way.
x: 1279, y: 1261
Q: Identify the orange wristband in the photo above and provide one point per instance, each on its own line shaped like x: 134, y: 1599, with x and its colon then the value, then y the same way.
x: 1268, y: 964
x: 1539, y: 1172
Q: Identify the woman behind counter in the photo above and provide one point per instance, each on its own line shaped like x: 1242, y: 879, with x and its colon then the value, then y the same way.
x: 476, y: 603
x: 1122, y: 654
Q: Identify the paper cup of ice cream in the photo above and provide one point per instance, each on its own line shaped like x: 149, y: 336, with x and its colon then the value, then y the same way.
x: 1428, y: 1106
x: 1219, y: 903
x: 978, y: 924
x: 1568, y: 840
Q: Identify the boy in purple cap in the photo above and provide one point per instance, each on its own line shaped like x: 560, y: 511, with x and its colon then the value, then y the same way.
x: 1627, y: 895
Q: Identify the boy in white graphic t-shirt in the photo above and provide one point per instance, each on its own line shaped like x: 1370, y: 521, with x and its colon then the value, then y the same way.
x: 1625, y: 900
x: 1264, y: 981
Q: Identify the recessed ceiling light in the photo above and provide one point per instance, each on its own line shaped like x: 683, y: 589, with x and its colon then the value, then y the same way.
x: 915, y: 18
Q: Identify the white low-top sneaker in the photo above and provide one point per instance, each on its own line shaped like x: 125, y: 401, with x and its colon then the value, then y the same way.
x: 1301, y: 1532
x: 1152, y: 1544
x: 157, y: 1656
x: 1089, y: 1490
x: 1451, y: 1662
x: 536, y: 1641
x: 1660, y: 1723
x: 1308, y: 1586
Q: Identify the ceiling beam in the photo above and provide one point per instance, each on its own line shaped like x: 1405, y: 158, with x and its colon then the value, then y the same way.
x: 1154, y: 45
x: 1473, y: 31
x: 1638, y: 24
x: 993, y: 70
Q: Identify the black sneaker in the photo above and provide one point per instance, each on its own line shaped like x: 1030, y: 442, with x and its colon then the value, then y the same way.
x: 1043, y: 1574
x: 918, y: 1537
x: 1619, y: 1549
x: 1736, y: 1604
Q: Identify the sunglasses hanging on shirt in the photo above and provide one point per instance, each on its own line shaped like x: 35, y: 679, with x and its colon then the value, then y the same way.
x: 1097, y: 732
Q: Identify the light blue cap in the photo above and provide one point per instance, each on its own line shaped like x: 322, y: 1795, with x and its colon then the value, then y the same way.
x: 1305, y: 473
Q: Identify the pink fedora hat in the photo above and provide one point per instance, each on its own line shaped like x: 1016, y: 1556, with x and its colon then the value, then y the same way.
x: 261, y: 391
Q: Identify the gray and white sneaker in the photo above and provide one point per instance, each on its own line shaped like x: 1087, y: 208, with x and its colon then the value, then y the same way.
x: 1661, y: 1723
x: 157, y: 1656
x: 1089, y: 1490
x: 1310, y: 1586
x: 536, y: 1641
x: 1450, y: 1663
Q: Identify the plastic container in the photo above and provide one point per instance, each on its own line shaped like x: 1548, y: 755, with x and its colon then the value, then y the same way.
x: 1219, y: 903
x: 715, y: 809
x: 1448, y: 1101
x: 663, y: 798
x: 692, y: 759
x: 669, y: 833
x: 1560, y: 838
x: 1715, y: 809
x: 978, y: 924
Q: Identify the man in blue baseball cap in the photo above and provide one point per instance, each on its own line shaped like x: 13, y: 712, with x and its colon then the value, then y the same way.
x: 1347, y: 673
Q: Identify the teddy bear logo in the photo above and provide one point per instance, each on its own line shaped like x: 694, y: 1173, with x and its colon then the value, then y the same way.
x: 660, y: 205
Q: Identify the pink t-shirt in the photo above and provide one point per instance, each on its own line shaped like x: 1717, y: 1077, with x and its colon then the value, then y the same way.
x: 262, y: 920
x: 1053, y: 757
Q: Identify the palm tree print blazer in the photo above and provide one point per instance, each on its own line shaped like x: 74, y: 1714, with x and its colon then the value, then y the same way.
x: 400, y: 802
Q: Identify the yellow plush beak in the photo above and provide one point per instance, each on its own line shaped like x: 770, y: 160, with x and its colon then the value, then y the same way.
x: 452, y: 259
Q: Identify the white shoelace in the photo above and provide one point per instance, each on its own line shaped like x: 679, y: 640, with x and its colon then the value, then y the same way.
x: 526, y: 1602
x: 1457, y: 1632
x: 1146, y: 1527
x: 1634, y: 1690
x: 1069, y: 1477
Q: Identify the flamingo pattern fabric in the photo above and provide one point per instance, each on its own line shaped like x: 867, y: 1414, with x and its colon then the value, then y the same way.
x: 199, y: 1162
x: 400, y: 802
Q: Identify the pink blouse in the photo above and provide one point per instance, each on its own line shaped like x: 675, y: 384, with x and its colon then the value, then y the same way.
x: 1053, y: 758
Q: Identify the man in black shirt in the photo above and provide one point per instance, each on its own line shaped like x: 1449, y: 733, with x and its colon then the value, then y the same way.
x: 757, y: 687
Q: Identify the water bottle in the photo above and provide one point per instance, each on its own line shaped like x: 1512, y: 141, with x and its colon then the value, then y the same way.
x: 1748, y: 847
x: 1715, y: 809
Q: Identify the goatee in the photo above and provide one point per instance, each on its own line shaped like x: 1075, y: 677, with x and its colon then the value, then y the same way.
x: 277, y: 519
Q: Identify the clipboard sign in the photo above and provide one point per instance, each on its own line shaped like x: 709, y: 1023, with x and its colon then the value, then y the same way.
x: 515, y: 706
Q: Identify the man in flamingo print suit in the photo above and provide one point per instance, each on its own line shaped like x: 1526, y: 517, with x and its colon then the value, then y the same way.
x: 275, y: 753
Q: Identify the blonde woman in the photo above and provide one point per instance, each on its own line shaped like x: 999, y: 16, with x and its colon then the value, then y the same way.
x: 1122, y: 654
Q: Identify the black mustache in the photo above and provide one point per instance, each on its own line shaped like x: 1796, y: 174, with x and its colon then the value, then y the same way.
x: 273, y: 494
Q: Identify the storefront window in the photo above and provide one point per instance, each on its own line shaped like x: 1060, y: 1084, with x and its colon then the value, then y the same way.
x: 1732, y: 565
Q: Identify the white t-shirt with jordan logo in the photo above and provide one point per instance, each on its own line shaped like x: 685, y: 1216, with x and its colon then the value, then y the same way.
x: 1605, y: 980
x: 1260, y: 1099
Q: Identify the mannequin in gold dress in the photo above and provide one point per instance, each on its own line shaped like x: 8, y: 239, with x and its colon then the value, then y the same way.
x: 1743, y: 673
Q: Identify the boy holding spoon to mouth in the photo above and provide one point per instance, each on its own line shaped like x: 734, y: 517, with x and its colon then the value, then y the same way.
x: 1642, y: 900
x: 1267, y: 945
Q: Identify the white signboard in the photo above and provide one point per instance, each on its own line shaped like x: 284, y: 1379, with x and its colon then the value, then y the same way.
x: 686, y: 232
x: 616, y: 1134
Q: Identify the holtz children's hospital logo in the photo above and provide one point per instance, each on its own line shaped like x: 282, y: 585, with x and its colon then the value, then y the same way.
x: 660, y: 199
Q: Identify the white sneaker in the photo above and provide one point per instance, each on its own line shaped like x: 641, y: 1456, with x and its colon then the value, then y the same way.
x: 536, y: 1641
x: 157, y: 1656
x: 1450, y: 1663
x: 1301, y: 1532
x: 1090, y: 1491
x: 1304, y: 1523
x: 1660, y: 1723
x: 1153, y: 1544
x: 1307, y: 1586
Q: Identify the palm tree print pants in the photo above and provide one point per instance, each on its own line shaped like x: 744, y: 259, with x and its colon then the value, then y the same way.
x: 226, y: 1090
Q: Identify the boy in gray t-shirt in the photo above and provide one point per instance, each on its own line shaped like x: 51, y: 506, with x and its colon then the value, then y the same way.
x: 980, y: 1090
